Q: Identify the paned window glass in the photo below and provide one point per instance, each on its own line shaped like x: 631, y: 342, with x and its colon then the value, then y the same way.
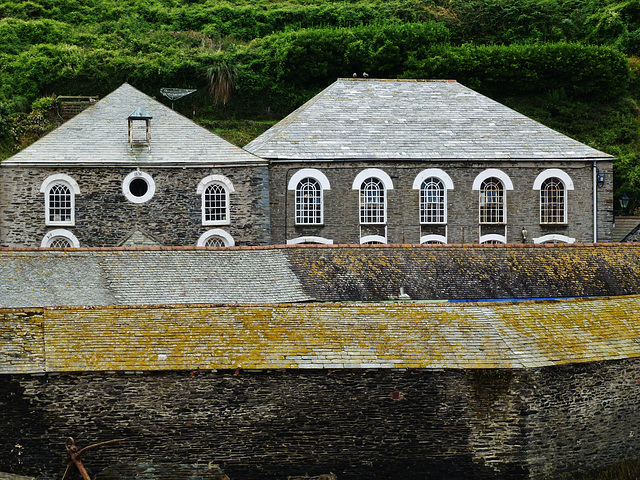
x: 432, y: 201
x: 552, y: 201
x: 372, y: 201
x: 492, y: 201
x: 215, y: 241
x: 60, y: 242
x: 308, y: 202
x: 215, y: 203
x: 60, y: 203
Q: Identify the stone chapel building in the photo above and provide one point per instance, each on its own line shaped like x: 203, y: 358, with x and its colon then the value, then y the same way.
x: 411, y: 161
x: 365, y: 161
x: 131, y: 171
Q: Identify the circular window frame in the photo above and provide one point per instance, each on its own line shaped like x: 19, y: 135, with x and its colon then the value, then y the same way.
x: 126, y: 187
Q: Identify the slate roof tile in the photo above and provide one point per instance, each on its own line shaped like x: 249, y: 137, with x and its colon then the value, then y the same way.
x: 98, y: 136
x: 358, y: 119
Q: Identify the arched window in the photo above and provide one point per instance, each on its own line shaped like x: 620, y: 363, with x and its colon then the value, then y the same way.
x: 60, y: 204
x: 215, y: 241
x: 492, y: 201
x: 372, y: 201
x: 60, y: 238
x: 215, y: 190
x: 215, y: 205
x: 432, y: 201
x: 553, y: 201
x: 60, y: 191
x: 215, y: 237
x: 308, y: 202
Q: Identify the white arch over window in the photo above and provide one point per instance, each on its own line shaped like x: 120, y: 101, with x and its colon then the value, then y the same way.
x: 433, y: 172
x: 554, y: 237
x: 492, y: 172
x: 553, y: 172
x: 213, y: 235
x: 373, y: 239
x: 60, y: 191
x: 60, y: 238
x: 372, y: 172
x: 215, y: 203
x: 493, y: 237
x: 433, y: 238
x: 216, y: 178
x: 63, y: 177
x: 310, y: 239
x: 309, y: 172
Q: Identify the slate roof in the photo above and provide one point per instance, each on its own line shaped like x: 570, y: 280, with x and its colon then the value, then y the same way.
x: 135, y: 277
x: 363, y: 119
x: 246, y: 275
x: 320, y: 336
x: 98, y: 136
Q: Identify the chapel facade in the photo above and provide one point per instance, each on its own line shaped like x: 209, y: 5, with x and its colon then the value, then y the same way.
x: 365, y: 161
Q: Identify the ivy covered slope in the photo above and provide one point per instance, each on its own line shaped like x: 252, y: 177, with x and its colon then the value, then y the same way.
x: 571, y: 64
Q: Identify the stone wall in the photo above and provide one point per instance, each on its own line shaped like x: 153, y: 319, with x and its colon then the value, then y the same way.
x: 341, y: 217
x: 104, y: 217
x: 415, y: 424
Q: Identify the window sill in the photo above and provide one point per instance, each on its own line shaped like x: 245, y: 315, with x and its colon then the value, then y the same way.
x: 70, y: 223
x: 217, y: 222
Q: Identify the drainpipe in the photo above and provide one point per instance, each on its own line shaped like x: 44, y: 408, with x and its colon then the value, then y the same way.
x: 595, y: 202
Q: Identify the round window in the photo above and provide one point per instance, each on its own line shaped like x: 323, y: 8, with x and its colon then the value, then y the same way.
x: 138, y: 187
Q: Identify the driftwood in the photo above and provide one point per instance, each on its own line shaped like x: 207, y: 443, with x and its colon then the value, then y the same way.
x: 74, y: 453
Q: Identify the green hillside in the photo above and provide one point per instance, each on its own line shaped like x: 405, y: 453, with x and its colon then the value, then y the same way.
x: 571, y: 64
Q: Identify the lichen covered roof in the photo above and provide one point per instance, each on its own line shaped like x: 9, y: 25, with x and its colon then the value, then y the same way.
x: 99, y: 136
x: 411, y: 120
x: 320, y: 336
x: 120, y: 276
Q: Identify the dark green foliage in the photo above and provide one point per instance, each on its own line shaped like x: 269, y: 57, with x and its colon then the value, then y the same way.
x: 582, y: 71
x: 564, y: 62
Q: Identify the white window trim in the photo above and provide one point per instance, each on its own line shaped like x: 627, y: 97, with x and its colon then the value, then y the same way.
x: 448, y: 185
x: 59, y: 232
x: 372, y: 172
x: 74, y: 189
x: 553, y: 172
x: 57, y: 177
x: 295, y: 207
x: 554, y: 237
x: 309, y: 172
x: 229, y: 189
x: 386, y: 183
x: 215, y: 178
x: 373, y: 238
x: 151, y: 184
x: 493, y: 236
x: 433, y: 238
x: 506, y: 184
x: 568, y: 185
x: 310, y: 239
x: 492, y: 172
x: 218, y: 232
x: 433, y: 172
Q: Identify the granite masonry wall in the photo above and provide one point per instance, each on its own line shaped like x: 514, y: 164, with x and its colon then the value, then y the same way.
x: 104, y: 217
x: 341, y: 217
x: 377, y: 424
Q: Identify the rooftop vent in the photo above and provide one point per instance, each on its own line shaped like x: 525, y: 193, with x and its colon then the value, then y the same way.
x: 140, y: 133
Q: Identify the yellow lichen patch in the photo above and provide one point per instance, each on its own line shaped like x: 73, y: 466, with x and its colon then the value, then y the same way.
x: 330, y: 336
